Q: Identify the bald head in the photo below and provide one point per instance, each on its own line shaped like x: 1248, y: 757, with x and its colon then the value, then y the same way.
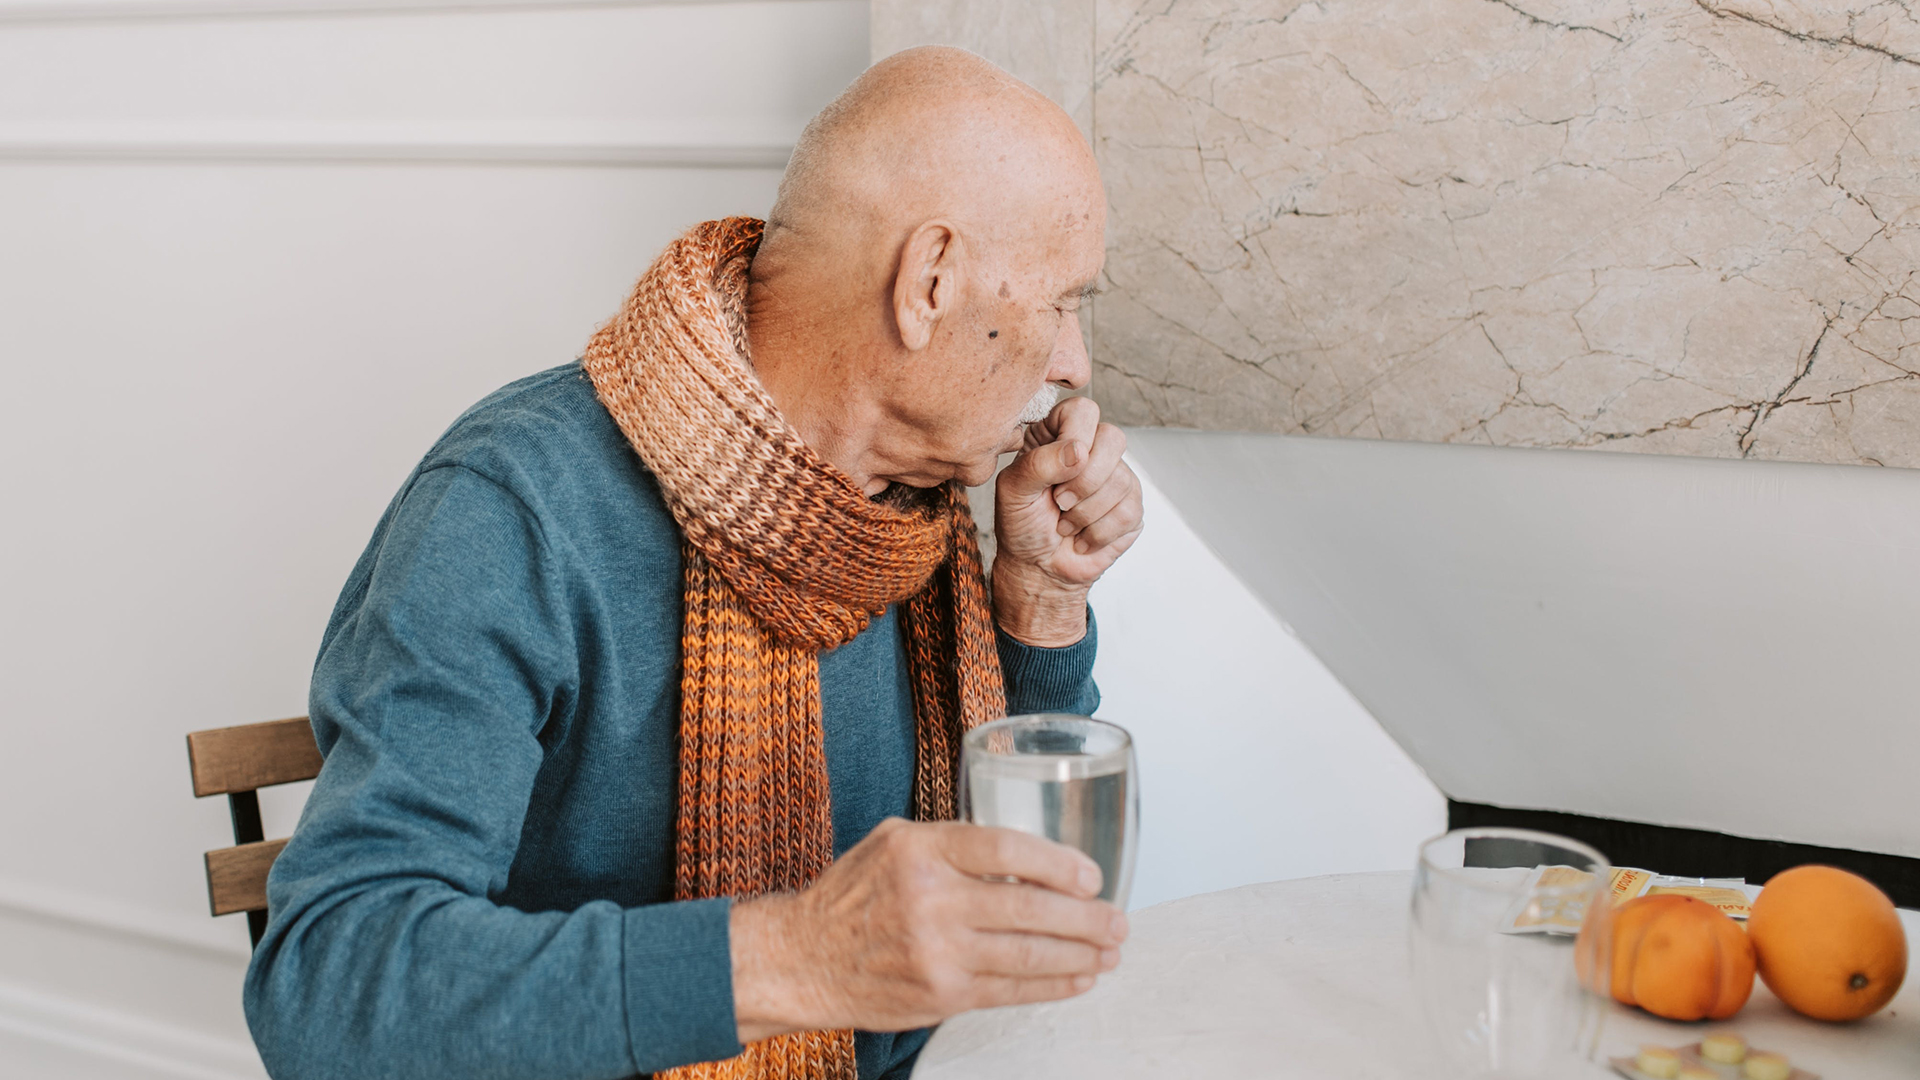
x: 931, y: 132
x: 934, y: 234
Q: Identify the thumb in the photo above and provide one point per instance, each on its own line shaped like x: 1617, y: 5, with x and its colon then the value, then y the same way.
x: 1038, y: 470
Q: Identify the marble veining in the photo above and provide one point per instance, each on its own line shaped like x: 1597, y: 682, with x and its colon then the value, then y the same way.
x: 1674, y: 226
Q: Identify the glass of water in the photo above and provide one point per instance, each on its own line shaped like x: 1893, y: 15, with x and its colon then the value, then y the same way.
x: 1071, y: 779
x: 1506, y: 926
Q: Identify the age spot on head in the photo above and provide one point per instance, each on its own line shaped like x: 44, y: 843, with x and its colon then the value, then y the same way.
x: 993, y: 333
x: 1004, y: 291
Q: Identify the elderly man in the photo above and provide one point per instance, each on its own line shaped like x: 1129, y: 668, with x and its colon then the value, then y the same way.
x: 628, y: 701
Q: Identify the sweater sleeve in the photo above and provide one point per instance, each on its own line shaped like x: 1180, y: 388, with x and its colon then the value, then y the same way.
x: 386, y: 954
x: 1050, y: 680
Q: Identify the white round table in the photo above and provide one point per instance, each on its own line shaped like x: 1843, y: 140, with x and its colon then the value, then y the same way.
x: 1309, y: 978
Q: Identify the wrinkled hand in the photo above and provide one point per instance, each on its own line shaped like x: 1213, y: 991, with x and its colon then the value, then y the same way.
x: 1065, y: 509
x: 902, y: 932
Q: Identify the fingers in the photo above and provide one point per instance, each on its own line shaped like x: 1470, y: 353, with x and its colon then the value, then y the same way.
x: 983, y: 852
x: 1073, y: 420
x: 1031, y: 956
x: 1121, y: 487
x: 1057, y: 449
x: 1118, y: 547
x: 1121, y: 521
x: 902, y: 931
x: 994, y: 991
x: 1103, y: 459
x: 1029, y: 909
x: 1037, y: 470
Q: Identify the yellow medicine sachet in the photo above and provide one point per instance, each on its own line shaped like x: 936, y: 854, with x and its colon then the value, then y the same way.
x: 1541, y: 911
x: 1731, y: 900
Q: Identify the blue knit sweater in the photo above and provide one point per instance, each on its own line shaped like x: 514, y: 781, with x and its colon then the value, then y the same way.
x: 481, y: 883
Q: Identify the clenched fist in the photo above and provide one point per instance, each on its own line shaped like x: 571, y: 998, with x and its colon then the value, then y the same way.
x: 906, y: 930
x: 1065, y: 509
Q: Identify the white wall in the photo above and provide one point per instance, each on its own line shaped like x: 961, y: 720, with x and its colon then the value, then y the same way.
x: 250, y: 267
x: 1256, y: 764
x: 1685, y: 641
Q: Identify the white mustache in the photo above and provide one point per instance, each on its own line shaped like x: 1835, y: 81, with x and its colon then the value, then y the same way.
x: 1040, y: 404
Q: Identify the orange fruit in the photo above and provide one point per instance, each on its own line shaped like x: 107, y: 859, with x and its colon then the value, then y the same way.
x: 1680, y: 958
x: 1829, y: 942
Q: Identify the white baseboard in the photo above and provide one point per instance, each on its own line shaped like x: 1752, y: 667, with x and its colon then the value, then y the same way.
x: 48, y: 1037
x: 92, y: 987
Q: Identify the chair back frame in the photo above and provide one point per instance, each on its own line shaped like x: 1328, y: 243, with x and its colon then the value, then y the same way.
x: 237, y: 762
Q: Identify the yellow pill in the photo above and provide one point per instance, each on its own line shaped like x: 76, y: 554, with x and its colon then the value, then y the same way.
x: 1725, y: 1048
x: 1658, y: 1062
x: 1768, y: 1066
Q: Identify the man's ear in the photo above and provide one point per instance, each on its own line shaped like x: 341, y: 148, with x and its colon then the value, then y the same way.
x: 927, y: 286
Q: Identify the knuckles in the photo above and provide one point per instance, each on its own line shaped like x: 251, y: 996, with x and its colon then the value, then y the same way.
x: 1023, y: 907
x: 933, y: 965
x: 1026, y: 952
x: 889, y: 830
x: 1002, y: 847
x: 923, y: 926
x: 920, y: 877
x: 949, y: 989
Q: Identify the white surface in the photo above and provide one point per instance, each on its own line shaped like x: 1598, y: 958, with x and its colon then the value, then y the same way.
x: 1255, y: 763
x: 45, y: 11
x: 1725, y: 645
x: 714, y: 75
x: 217, y: 374
x: 1310, y: 979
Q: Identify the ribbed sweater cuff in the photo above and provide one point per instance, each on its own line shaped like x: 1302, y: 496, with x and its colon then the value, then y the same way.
x: 679, y: 974
x: 1050, y: 680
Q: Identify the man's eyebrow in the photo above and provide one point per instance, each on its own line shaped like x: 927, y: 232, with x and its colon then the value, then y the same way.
x: 1083, y: 292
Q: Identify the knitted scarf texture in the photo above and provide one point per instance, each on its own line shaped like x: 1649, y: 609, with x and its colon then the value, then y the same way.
x: 784, y: 557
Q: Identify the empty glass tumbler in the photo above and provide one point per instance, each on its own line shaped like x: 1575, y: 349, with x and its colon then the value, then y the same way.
x: 1506, y: 924
x: 1071, y: 779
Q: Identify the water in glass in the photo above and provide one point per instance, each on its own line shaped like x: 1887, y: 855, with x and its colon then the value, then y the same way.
x: 1067, y: 778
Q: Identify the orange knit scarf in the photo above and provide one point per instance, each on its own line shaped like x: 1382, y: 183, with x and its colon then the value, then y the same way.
x: 784, y: 558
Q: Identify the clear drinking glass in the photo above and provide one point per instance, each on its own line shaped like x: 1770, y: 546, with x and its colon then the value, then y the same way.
x: 1067, y: 778
x: 1501, y: 998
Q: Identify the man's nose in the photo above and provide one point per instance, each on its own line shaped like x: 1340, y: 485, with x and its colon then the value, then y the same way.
x: 1071, y: 368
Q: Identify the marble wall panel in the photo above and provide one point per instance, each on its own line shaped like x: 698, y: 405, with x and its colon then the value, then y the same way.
x: 1675, y: 226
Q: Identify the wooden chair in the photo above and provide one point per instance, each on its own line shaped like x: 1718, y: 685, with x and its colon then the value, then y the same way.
x: 237, y: 762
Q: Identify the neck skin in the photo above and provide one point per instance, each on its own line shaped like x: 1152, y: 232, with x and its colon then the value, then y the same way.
x: 813, y: 361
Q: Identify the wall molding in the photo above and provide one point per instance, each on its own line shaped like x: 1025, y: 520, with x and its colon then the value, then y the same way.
x: 131, y: 1046
x: 637, y: 155
x: 15, y: 12
x: 59, y: 1024
x: 225, y: 939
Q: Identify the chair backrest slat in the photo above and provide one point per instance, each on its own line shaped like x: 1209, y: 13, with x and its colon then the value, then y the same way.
x: 237, y: 876
x: 252, y: 756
